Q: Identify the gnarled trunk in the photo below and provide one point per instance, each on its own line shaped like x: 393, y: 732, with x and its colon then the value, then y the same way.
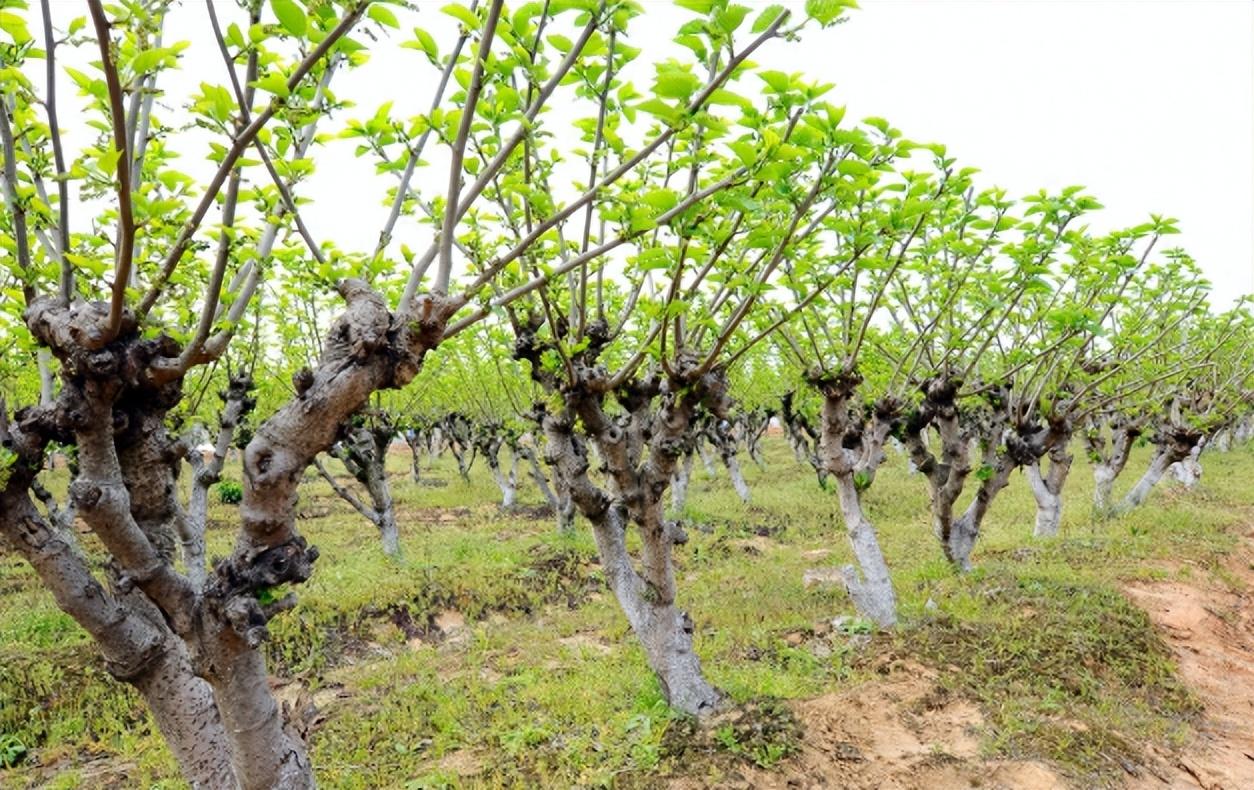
x: 363, y: 449
x: 1047, y: 490
x: 1170, y: 447
x: 869, y: 585
x: 1188, y: 471
x: 639, y: 483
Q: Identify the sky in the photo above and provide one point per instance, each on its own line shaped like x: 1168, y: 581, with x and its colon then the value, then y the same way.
x: 1147, y: 103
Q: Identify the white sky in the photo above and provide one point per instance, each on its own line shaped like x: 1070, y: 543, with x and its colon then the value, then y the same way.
x: 1148, y: 103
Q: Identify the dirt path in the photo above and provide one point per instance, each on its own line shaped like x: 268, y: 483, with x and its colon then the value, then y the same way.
x: 901, y: 732
x: 1210, y: 628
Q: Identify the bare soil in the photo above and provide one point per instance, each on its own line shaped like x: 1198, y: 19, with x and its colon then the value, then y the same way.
x: 1209, y: 625
x: 904, y: 731
x: 901, y: 732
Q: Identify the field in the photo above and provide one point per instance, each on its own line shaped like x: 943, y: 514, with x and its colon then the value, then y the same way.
x: 491, y: 655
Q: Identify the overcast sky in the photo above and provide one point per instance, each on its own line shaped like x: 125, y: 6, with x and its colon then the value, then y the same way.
x: 1148, y: 103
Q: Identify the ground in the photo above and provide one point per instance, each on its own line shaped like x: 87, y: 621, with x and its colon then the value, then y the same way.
x: 1118, y: 655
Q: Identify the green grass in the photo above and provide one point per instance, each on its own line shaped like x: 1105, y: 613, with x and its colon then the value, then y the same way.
x: 546, y: 685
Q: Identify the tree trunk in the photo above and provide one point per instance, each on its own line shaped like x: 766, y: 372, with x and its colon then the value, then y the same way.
x: 414, y: 440
x: 706, y: 460
x: 183, y: 707
x: 870, y: 585
x: 1140, y: 492
x: 648, y: 597
x: 1047, y: 490
x: 1104, y: 475
x: 1188, y: 471
x: 738, y: 479
x: 679, y: 483
x: 872, y: 589
x: 664, y: 631
x: 506, y: 481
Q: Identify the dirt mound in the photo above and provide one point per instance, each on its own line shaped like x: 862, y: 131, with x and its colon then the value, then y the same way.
x: 902, y: 732
x: 1210, y: 628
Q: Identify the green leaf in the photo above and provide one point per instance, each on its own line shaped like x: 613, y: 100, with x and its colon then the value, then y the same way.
x: 427, y: 42
x: 274, y: 83
x: 730, y: 18
x: 290, y: 15
x: 108, y: 160
x: 700, y: 6
x: 676, y: 84
x: 659, y: 108
x: 383, y: 15
x: 853, y: 167
x: 826, y: 11
x: 769, y: 15
x: 462, y: 14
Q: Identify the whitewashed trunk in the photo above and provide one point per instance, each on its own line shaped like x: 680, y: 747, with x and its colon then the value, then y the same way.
x: 870, y: 585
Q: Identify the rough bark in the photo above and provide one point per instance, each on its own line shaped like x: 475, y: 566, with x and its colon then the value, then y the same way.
x: 1188, y: 471
x: 459, y: 433
x: 1109, y: 457
x: 869, y: 584
x: 945, y: 476
x: 414, y: 440
x: 679, y: 484
x: 803, y: 438
x: 236, y: 404
x: 363, y: 450
x: 1171, y: 445
x: 1047, y: 490
x: 647, y: 597
x: 721, y: 436
x: 489, y: 441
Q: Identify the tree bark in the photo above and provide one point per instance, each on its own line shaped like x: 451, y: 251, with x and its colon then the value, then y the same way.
x: 679, y: 484
x: 870, y: 584
x: 1047, y: 490
x: 1188, y: 471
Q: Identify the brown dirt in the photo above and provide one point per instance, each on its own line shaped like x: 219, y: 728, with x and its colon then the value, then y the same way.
x: 899, y: 733
x: 1210, y: 628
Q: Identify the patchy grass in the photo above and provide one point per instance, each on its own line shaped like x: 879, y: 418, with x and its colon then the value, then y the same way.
x: 491, y: 655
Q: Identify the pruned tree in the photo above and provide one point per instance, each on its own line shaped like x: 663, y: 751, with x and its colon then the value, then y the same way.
x: 127, y: 312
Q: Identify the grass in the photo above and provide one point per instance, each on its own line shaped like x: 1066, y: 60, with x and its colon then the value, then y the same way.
x: 546, y: 685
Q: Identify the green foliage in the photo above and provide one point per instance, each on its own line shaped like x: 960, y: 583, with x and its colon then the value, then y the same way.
x: 230, y: 492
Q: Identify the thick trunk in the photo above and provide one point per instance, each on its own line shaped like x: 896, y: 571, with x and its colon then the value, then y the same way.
x: 507, y: 481
x: 1047, y: 490
x: 639, y: 484
x: 566, y: 512
x: 707, y: 460
x: 414, y: 440
x: 738, y: 479
x: 136, y: 648
x: 1188, y: 471
x: 1107, y: 466
x: 870, y: 585
x: 1140, y: 492
x: 1104, y: 475
x: 385, y: 511
x: 664, y: 631
x: 966, y: 528
x: 183, y: 706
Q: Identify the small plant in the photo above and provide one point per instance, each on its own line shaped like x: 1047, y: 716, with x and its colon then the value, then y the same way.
x: 12, y: 750
x: 230, y: 492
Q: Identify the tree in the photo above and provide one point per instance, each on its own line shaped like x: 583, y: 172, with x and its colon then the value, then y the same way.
x: 193, y: 651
